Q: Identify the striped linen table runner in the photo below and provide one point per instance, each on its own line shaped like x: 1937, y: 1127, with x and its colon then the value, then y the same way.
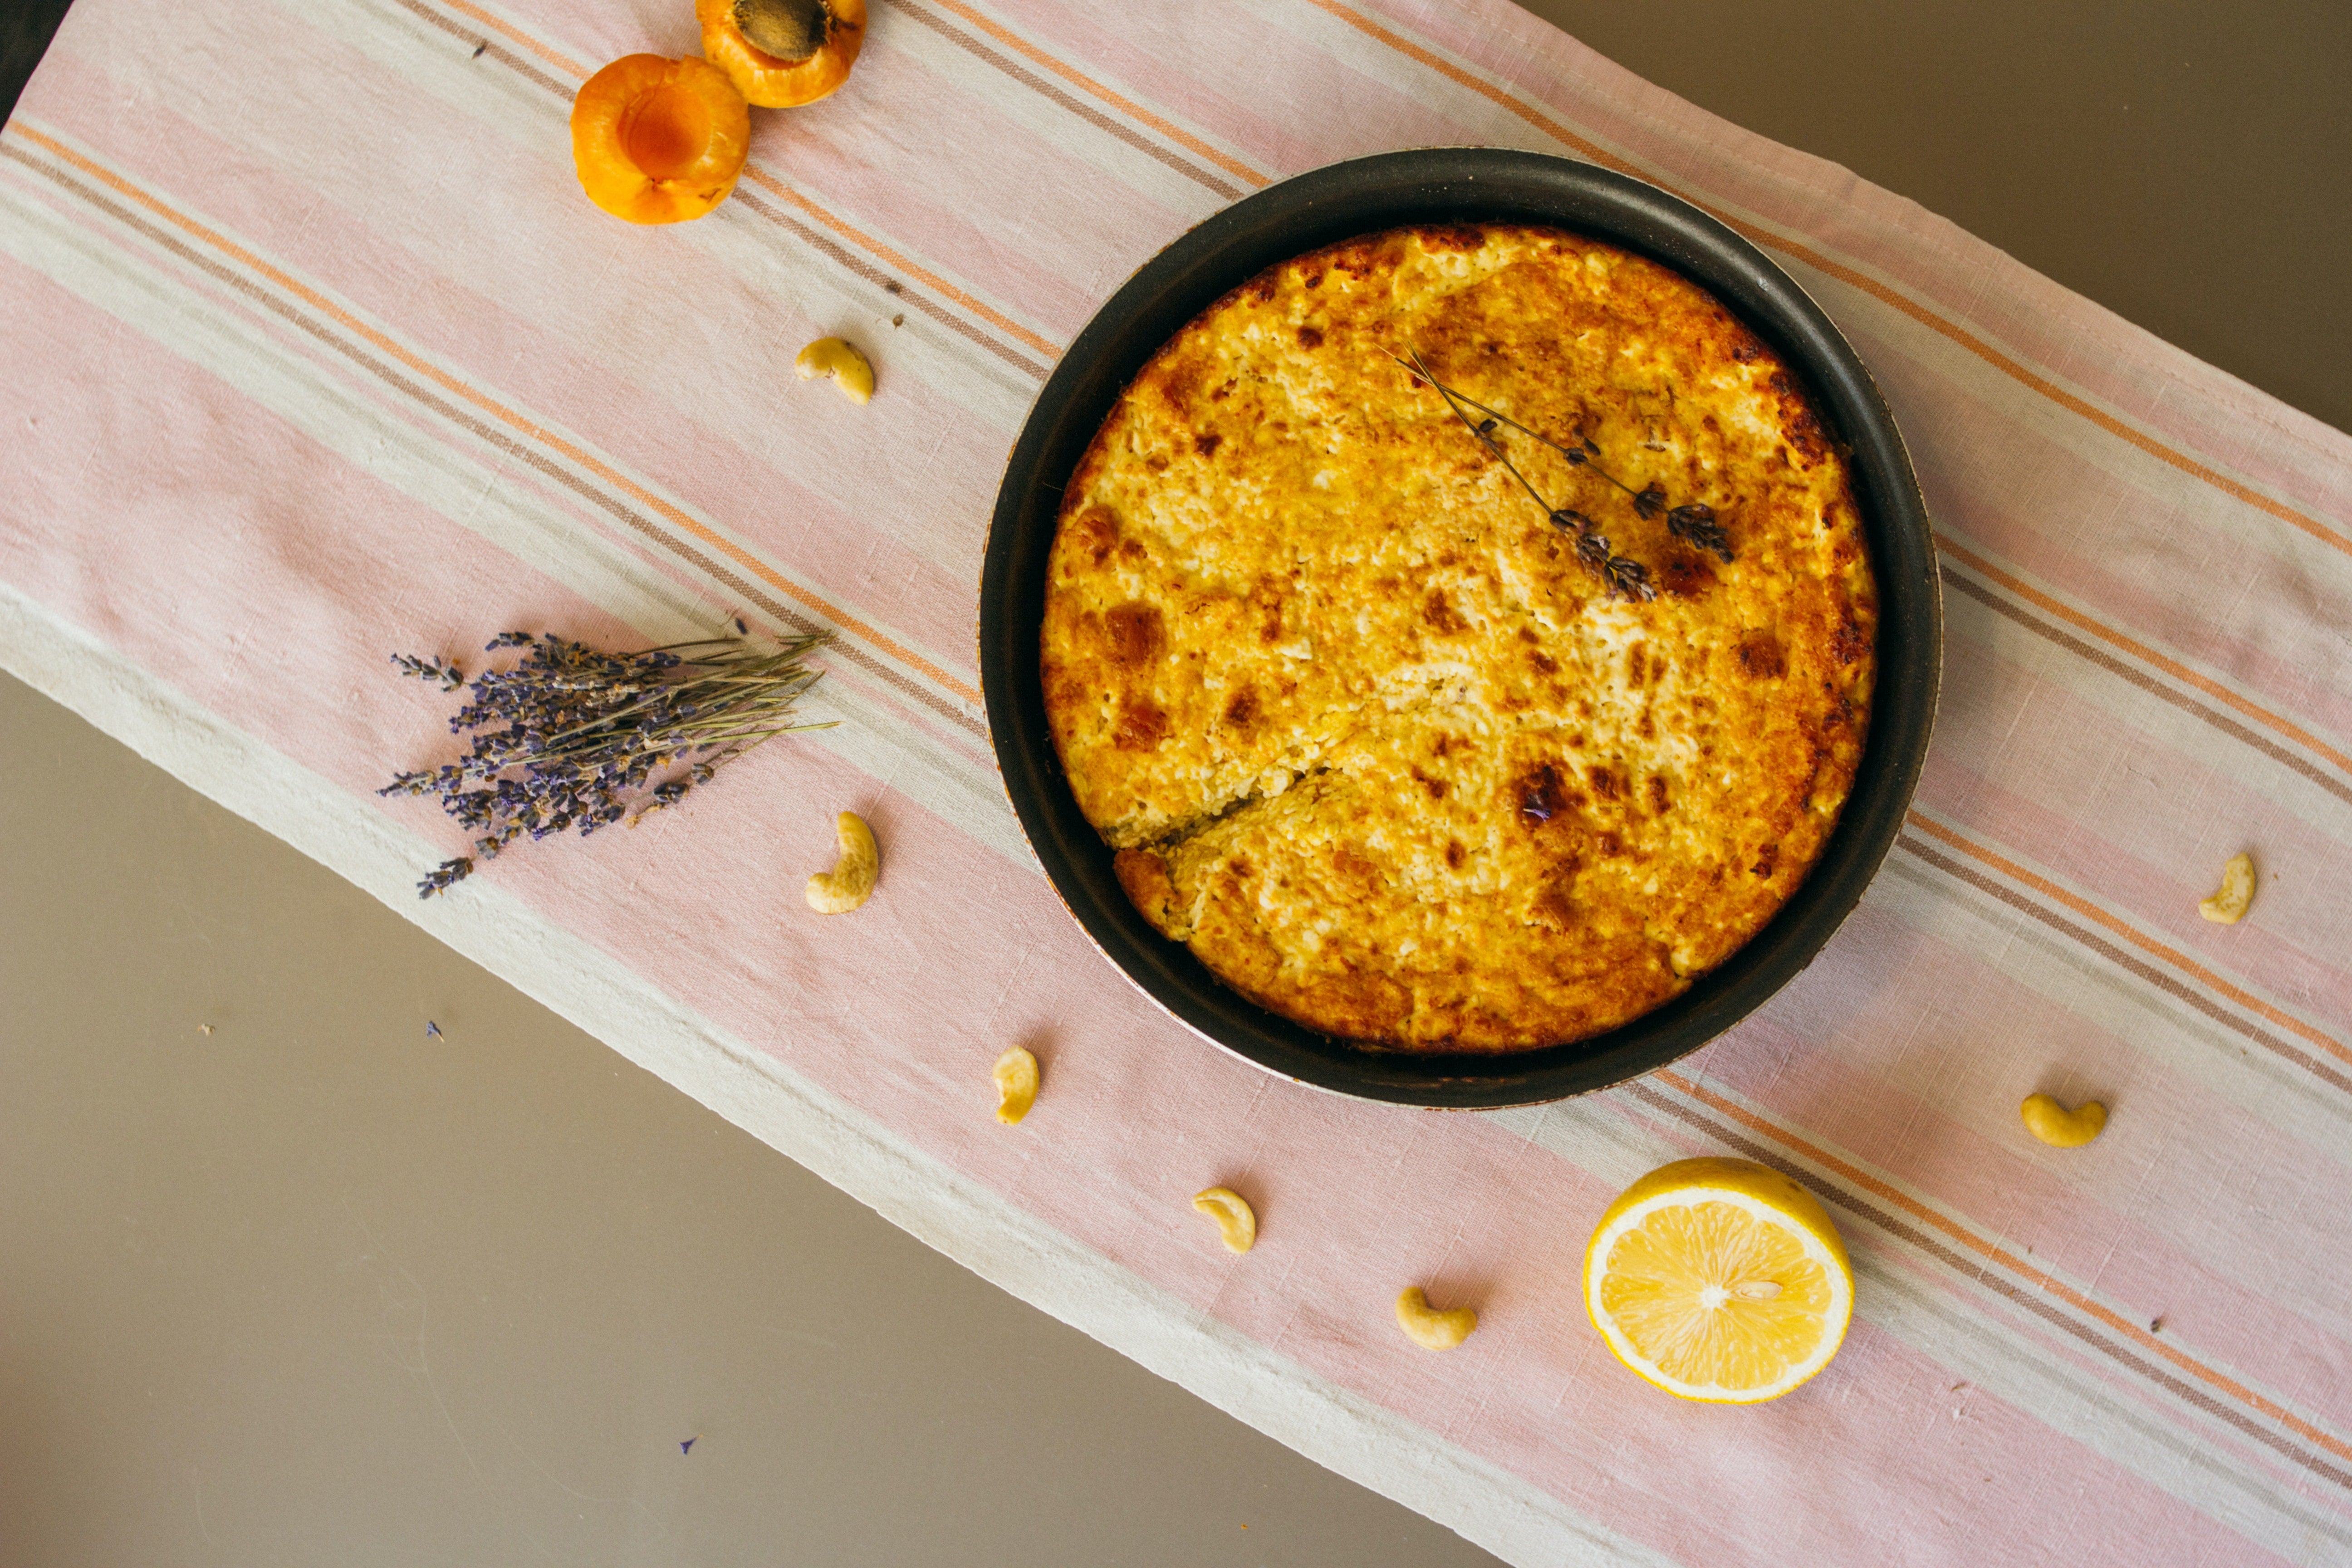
x: 314, y: 352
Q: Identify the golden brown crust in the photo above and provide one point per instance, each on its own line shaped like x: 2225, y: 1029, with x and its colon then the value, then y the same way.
x: 1367, y: 732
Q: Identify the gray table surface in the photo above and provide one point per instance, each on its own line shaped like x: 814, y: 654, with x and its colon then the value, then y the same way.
x: 315, y: 1288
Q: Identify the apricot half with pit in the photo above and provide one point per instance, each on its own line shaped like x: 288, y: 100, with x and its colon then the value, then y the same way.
x: 782, y: 53
x: 659, y: 140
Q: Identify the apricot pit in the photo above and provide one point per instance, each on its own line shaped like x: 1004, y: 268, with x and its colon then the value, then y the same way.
x: 781, y: 54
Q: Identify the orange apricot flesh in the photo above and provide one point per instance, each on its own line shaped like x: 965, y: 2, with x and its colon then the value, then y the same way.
x: 659, y: 140
x: 771, y: 82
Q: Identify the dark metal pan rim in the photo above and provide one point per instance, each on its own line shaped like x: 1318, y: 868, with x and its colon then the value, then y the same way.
x: 1362, y: 196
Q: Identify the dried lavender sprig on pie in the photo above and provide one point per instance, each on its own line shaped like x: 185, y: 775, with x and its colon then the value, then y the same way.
x: 1485, y: 433
x: 1627, y: 578
x: 575, y: 738
x: 1580, y: 454
x: 1694, y: 524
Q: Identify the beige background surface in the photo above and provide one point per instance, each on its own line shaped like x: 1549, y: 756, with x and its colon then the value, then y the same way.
x: 317, y: 1287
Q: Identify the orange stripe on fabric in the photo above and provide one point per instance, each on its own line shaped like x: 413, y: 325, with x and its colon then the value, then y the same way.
x: 776, y: 187
x: 508, y: 30
x: 2137, y: 938
x: 2138, y: 1333
x: 1868, y: 285
x: 1087, y: 84
x: 505, y: 415
x: 2178, y: 670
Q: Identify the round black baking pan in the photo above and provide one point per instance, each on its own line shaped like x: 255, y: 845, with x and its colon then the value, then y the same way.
x: 1456, y: 185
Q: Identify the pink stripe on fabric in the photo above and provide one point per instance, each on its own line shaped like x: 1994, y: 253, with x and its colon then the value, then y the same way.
x: 1994, y: 480
x: 1008, y: 239
x: 2179, y: 1153
x: 1155, y: 55
x: 531, y: 365
x: 227, y: 607
x: 1016, y: 232
x: 2171, y: 858
x: 484, y: 558
x: 2175, y: 1155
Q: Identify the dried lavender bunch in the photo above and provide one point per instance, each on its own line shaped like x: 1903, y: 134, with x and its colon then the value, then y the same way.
x: 574, y: 738
x: 1626, y: 577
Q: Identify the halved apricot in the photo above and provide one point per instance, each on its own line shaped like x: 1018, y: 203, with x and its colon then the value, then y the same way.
x: 659, y: 140
x: 819, y: 40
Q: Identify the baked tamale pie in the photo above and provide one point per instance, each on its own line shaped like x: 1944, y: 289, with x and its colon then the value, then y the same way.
x: 1464, y: 637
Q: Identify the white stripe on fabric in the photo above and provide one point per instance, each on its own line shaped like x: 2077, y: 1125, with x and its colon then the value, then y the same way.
x: 547, y: 449
x: 1972, y: 631
x: 462, y: 480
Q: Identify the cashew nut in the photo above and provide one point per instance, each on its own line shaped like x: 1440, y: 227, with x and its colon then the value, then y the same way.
x: 851, y: 880
x: 1234, y: 1219
x: 834, y: 359
x: 2059, y: 1127
x: 2228, y: 905
x: 1016, y: 1085
x: 1425, y: 1325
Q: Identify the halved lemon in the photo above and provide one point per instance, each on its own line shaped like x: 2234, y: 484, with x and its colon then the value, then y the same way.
x: 1719, y: 1279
